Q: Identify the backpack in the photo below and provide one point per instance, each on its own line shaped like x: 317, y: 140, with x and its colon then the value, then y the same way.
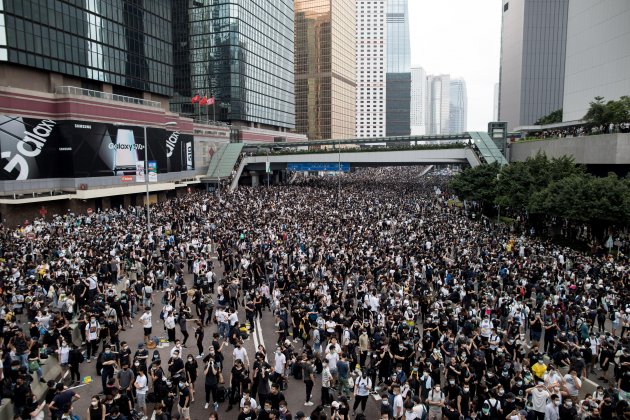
x: 494, y: 413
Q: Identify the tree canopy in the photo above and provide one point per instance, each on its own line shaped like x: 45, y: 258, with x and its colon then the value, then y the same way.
x: 548, y: 187
x: 552, y: 118
x: 605, y: 113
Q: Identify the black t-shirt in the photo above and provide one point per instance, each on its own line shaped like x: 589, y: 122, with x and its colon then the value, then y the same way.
x: 63, y: 399
x: 183, y: 394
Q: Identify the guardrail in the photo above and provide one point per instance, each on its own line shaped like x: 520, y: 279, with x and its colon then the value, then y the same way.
x: 73, y: 90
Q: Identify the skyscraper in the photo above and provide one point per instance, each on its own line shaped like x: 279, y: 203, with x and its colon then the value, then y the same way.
x: 533, y: 44
x: 418, y: 101
x: 458, y: 109
x: 598, y: 54
x: 398, y: 78
x: 325, y: 68
x: 495, y: 110
x: 438, y: 104
x: 242, y: 54
x: 371, y: 54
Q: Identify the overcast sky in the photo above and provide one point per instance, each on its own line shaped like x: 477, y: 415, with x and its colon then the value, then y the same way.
x: 461, y: 38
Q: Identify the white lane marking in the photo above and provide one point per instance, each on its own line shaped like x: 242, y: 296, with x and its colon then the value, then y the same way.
x: 258, y: 331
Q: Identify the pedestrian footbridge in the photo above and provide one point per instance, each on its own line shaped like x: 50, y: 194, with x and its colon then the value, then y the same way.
x: 271, y: 161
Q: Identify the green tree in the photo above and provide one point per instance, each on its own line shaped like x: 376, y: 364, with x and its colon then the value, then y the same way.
x: 520, y: 180
x: 604, y: 113
x: 596, y: 114
x: 552, y: 118
x: 477, y: 184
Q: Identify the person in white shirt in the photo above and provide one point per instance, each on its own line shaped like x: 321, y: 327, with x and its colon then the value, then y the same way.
x: 178, y: 347
x: 241, y: 353
x: 92, y: 332
x: 399, y: 409
x: 147, y: 325
x: 280, y: 362
x: 141, y: 391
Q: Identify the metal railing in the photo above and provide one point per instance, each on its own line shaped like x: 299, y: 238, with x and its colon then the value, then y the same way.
x: 73, y: 90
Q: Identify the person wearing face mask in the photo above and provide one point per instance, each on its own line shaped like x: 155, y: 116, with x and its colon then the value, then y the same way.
x: 96, y: 410
x: 191, y: 374
x: 362, y: 388
x: 108, y: 361
x: 552, y: 408
x: 567, y: 411
x: 283, y: 411
x: 436, y: 402
x: 125, y: 379
x: 183, y: 406
x: 92, y: 334
x: 141, y: 385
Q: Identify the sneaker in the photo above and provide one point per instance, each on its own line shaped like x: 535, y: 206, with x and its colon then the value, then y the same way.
x: 131, y: 326
x: 199, y: 357
x: 88, y: 360
x: 206, y: 406
x: 308, y: 403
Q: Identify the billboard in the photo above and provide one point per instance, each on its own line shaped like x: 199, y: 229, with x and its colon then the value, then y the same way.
x: 32, y: 148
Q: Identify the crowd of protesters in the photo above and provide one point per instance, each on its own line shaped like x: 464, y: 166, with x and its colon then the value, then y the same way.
x: 382, y: 292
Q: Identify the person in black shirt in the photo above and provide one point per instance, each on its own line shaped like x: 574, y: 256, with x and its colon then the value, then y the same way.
x: 183, y: 407
x: 75, y: 358
x: 108, y: 361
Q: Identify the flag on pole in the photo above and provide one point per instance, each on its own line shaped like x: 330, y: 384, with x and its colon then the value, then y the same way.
x: 195, y: 99
x: 268, y: 167
x: 211, y: 101
x: 203, y: 101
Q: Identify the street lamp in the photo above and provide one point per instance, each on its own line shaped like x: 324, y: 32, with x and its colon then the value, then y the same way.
x: 146, y: 165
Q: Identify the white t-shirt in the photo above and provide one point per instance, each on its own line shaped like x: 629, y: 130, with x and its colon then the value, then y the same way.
x: 280, y: 361
x: 240, y: 354
x: 141, y: 380
x: 92, y: 330
x: 146, y: 320
x: 398, y: 405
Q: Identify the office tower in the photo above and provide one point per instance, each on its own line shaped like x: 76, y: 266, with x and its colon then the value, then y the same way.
x: 598, y: 54
x: 495, y: 109
x: 418, y: 101
x: 438, y: 104
x: 458, y: 109
x: 533, y: 44
x: 103, y: 46
x: 325, y: 68
x: 398, y: 98
x: 240, y: 53
x: 371, y: 55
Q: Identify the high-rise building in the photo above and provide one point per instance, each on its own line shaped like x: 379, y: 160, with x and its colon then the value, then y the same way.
x: 495, y: 109
x: 458, y: 109
x: 533, y: 44
x: 325, y: 68
x: 598, y: 54
x: 371, y: 55
x: 438, y: 104
x: 125, y: 47
x: 240, y: 53
x: 398, y: 98
x: 418, y: 101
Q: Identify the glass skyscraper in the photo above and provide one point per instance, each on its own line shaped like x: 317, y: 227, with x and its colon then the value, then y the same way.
x: 458, y: 109
x: 241, y: 53
x: 325, y: 68
x: 533, y: 54
x: 438, y: 104
x: 398, y: 79
x: 123, y: 43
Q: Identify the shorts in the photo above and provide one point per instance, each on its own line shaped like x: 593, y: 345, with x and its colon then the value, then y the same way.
x: 142, y: 400
x: 147, y: 331
x: 184, y: 412
x: 535, y: 335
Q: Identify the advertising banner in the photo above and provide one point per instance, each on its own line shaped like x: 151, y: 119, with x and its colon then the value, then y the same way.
x: 140, y: 171
x: 152, y: 169
x: 32, y: 148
